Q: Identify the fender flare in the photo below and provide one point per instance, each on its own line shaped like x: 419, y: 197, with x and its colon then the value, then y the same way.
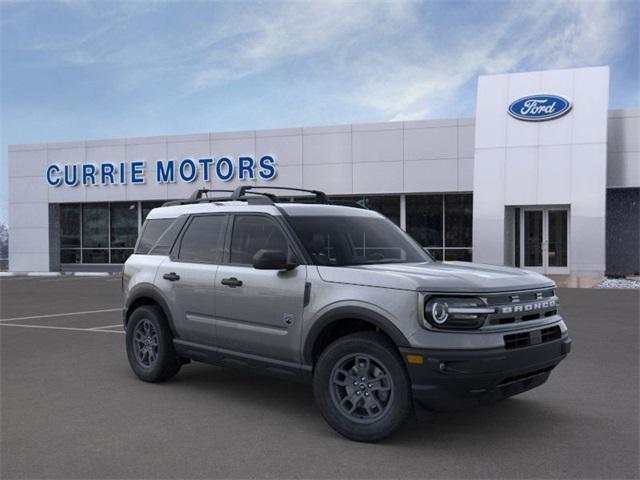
x: 149, y: 291
x: 351, y: 312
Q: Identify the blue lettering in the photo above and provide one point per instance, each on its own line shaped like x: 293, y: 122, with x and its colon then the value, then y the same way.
x: 267, y: 168
x: 88, y: 174
x: 70, y: 180
x: 51, y: 169
x: 165, y: 174
x: 106, y: 172
x: 193, y: 170
x: 206, y: 168
x: 246, y: 165
x: 220, y: 173
x: 123, y: 173
x: 137, y: 172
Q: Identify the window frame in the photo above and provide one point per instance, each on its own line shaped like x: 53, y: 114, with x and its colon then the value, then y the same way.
x: 285, y: 228
x: 174, y: 252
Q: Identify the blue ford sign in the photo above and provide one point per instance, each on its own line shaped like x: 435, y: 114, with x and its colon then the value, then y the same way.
x: 536, y: 108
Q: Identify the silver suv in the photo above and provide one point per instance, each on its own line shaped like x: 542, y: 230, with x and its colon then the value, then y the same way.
x: 338, y: 296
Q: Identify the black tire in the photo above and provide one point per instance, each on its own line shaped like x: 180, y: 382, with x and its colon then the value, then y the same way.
x: 159, y: 362
x: 388, y: 401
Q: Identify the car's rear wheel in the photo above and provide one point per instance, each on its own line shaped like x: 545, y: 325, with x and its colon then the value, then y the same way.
x: 150, y: 345
x: 362, y: 388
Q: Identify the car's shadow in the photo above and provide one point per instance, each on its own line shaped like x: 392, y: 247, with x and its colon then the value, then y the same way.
x: 295, y: 400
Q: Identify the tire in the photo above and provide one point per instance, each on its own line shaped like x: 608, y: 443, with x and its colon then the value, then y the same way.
x: 152, y: 357
x: 369, y: 410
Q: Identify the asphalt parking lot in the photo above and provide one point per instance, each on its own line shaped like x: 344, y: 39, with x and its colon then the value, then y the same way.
x: 71, y: 408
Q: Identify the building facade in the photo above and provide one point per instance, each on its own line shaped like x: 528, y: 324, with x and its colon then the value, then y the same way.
x: 545, y: 177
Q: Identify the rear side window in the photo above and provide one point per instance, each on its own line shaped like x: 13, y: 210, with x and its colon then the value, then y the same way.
x: 203, y: 241
x: 151, y: 232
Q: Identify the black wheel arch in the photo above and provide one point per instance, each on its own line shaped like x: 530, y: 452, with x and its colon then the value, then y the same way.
x: 147, y: 294
x: 330, y: 319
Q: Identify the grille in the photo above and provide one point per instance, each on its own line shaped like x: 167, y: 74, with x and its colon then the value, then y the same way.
x: 525, y: 339
x: 522, y: 306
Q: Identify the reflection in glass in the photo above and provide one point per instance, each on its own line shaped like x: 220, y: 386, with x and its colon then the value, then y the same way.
x: 124, y: 225
x: 70, y: 255
x: 458, y: 221
x: 387, y: 205
x: 69, y: 225
x: 533, y: 238
x: 558, y: 238
x: 95, y: 225
x: 424, y: 219
x: 120, y: 255
x: 457, y: 254
x: 95, y: 256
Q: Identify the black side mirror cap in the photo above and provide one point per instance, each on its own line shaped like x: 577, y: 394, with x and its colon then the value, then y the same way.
x: 272, y: 260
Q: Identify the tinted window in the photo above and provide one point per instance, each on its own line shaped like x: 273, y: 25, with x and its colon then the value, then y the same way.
x: 151, y: 232
x: 203, y: 240
x: 347, y: 240
x: 95, y: 226
x: 252, y: 233
x: 124, y: 225
x: 424, y: 219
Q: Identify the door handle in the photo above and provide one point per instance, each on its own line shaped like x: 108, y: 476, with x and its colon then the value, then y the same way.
x: 172, y: 277
x: 231, y: 282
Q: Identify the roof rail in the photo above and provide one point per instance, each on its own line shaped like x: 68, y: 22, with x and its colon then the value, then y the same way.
x: 321, y: 197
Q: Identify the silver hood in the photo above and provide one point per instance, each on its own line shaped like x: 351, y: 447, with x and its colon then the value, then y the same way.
x: 437, y: 277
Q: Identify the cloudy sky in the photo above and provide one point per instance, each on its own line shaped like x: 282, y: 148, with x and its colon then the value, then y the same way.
x: 74, y: 70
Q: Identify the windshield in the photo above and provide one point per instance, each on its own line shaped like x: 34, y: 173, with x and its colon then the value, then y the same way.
x: 342, y: 241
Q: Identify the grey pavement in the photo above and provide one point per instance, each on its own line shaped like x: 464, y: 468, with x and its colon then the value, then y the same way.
x: 71, y: 408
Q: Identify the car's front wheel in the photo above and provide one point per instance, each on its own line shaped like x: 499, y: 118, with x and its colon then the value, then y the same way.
x: 150, y: 345
x: 362, y: 388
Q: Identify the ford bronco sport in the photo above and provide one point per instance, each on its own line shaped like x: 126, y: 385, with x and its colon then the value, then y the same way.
x: 334, y: 295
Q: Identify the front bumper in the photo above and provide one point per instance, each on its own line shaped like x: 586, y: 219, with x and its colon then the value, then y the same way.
x: 451, y: 379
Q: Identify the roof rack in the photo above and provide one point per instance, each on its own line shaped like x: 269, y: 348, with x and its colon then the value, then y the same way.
x: 321, y: 197
x: 245, y: 193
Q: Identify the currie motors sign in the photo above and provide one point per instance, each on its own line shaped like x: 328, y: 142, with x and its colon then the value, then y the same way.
x: 540, y: 107
x: 163, y: 171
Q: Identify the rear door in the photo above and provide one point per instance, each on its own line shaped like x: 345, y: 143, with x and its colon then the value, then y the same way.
x: 259, y: 311
x: 187, y: 278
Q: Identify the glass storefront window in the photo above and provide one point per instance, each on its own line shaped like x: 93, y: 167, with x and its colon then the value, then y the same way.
x: 387, y: 205
x: 442, y: 223
x: 424, y: 219
x: 94, y: 255
x: 69, y: 226
x: 95, y: 225
x: 458, y: 211
x: 124, y: 225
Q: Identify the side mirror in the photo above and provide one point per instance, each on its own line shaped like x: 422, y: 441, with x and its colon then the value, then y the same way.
x: 272, y: 260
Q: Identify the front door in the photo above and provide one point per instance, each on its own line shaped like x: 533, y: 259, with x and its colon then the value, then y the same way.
x: 259, y: 312
x: 544, y: 239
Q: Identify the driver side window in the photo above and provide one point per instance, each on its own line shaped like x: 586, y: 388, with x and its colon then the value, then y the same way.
x: 255, y: 232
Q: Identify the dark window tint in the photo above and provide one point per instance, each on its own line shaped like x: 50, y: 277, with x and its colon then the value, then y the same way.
x: 151, y: 233
x: 424, y: 219
x: 69, y: 226
x: 163, y: 245
x: 458, y: 254
x: 120, y: 255
x: 252, y: 233
x: 124, y: 225
x: 203, y: 240
x: 458, y: 214
x: 95, y: 255
x: 95, y: 226
x: 353, y: 240
x: 69, y: 255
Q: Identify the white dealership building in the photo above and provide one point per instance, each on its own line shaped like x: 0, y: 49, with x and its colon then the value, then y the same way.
x: 545, y: 177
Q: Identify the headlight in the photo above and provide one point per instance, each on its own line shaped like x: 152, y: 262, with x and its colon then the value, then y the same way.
x: 455, y: 312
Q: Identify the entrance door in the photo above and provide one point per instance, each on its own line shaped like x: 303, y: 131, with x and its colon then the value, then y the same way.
x: 544, y: 240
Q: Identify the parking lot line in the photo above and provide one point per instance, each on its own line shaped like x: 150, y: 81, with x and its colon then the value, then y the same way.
x: 107, y: 326
x: 49, y: 327
x: 33, y: 317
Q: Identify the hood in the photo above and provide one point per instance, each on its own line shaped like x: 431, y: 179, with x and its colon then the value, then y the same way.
x: 437, y: 277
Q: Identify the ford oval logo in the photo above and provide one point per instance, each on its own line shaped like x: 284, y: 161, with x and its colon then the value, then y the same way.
x: 536, y: 108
